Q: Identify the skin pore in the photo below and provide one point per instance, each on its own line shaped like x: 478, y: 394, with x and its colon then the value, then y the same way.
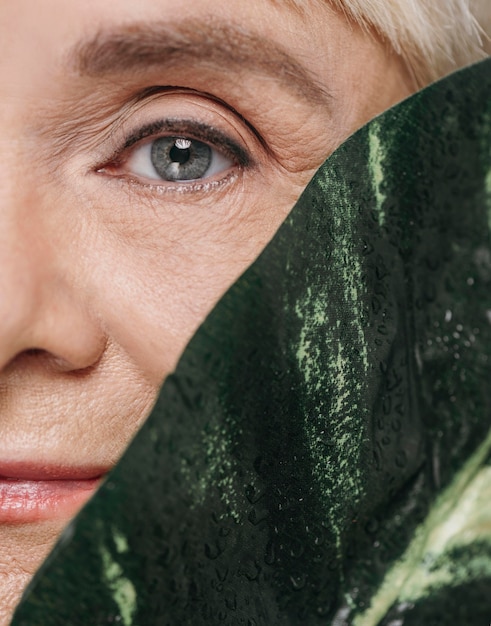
x: 107, y: 269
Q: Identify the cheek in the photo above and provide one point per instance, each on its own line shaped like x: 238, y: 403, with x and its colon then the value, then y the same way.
x: 154, y: 280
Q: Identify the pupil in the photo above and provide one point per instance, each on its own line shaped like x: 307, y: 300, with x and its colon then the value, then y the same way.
x: 179, y: 158
x: 179, y: 155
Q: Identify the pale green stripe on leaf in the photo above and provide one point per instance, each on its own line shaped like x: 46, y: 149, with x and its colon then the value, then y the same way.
x: 459, y: 517
x: 121, y: 588
x: 376, y: 167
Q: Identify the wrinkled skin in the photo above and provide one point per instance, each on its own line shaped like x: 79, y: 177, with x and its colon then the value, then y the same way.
x: 106, y: 270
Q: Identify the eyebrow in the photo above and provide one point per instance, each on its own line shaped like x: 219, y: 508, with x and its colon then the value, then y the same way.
x: 219, y: 45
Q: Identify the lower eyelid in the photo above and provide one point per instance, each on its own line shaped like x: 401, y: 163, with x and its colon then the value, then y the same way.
x: 159, y: 187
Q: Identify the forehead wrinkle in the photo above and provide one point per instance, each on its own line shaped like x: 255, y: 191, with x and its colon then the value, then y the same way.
x: 141, y: 46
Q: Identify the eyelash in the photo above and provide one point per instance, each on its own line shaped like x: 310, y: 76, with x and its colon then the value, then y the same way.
x: 182, y: 128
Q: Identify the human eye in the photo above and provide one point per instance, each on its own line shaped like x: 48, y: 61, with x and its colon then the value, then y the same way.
x: 177, y: 159
x: 174, y: 153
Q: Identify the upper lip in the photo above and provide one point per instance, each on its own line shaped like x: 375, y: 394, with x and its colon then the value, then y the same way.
x: 31, y: 471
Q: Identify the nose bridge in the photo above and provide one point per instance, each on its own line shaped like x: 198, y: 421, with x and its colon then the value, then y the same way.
x: 23, y: 267
x: 40, y: 308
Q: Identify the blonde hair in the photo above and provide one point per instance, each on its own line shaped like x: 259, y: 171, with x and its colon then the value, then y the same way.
x: 434, y: 37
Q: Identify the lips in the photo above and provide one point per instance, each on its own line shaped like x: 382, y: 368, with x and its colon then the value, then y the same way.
x: 30, y: 493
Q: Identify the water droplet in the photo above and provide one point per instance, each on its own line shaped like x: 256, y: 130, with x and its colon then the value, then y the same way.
x: 323, y: 611
x: 318, y: 557
x: 257, y: 517
x: 372, y: 526
x: 212, y: 552
x: 221, y: 575
x: 270, y: 556
x: 298, y: 581
x: 319, y: 540
x: 231, y: 602
x: 253, y: 571
x: 401, y: 459
x: 405, y: 606
x: 296, y: 549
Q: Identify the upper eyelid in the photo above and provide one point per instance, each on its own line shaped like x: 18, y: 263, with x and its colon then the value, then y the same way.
x: 158, y: 90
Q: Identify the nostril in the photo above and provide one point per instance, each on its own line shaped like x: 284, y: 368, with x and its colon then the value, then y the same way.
x: 30, y: 355
x: 34, y: 351
x: 38, y: 359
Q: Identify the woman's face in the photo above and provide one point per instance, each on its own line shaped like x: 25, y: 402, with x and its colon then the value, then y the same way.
x: 147, y: 157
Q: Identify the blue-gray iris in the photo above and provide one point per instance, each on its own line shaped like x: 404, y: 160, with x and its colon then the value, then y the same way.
x: 177, y: 158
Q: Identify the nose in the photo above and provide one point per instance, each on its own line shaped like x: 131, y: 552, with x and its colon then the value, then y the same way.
x: 41, y: 310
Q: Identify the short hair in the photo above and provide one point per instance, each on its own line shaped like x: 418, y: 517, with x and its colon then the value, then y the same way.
x: 434, y: 37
